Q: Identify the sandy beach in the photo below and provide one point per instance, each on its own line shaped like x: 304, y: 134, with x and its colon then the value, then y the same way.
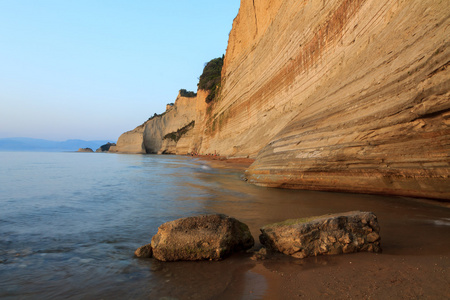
x: 414, y: 264
x: 240, y: 164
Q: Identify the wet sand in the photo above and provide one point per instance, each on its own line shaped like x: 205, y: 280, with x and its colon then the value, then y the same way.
x: 69, y: 233
x: 415, y: 264
x: 359, y: 276
x: 240, y: 164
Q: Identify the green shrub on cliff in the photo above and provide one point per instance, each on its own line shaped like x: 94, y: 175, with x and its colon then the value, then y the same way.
x: 176, y: 135
x: 211, y: 77
x: 154, y: 116
x: 185, y: 93
x: 106, y: 146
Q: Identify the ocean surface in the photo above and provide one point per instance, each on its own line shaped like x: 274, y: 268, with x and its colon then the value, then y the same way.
x: 70, y: 223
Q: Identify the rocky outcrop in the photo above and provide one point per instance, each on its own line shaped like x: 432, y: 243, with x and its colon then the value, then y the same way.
x: 178, y: 141
x: 131, y: 142
x: 154, y: 135
x: 325, y: 235
x: 85, y: 150
x: 206, y: 237
x: 177, y: 116
x: 341, y: 95
x: 332, y: 95
x: 106, y: 147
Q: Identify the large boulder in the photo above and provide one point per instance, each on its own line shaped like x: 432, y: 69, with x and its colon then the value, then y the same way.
x: 205, y: 237
x: 329, y: 234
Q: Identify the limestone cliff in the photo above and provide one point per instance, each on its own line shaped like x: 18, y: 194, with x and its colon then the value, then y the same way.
x: 339, y: 95
x: 131, y: 141
x: 348, y: 95
x: 154, y: 135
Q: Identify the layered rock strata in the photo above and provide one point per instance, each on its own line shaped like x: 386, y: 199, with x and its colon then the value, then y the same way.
x: 332, y: 95
x: 342, y: 95
x: 325, y: 235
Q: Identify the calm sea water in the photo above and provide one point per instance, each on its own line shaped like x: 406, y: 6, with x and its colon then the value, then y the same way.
x: 70, y: 222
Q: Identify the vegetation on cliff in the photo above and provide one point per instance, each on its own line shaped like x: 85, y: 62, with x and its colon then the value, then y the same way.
x: 189, y: 94
x: 105, y: 147
x: 176, y: 135
x: 211, y: 78
x: 154, y: 116
x: 183, y: 93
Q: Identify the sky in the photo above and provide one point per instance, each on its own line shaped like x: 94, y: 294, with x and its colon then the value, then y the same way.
x: 93, y: 69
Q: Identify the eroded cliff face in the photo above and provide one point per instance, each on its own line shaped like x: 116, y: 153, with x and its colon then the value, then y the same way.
x: 179, y: 115
x: 157, y: 134
x: 131, y: 142
x: 336, y: 95
x: 339, y: 95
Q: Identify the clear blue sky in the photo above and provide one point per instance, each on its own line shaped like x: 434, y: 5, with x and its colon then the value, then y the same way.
x: 93, y: 69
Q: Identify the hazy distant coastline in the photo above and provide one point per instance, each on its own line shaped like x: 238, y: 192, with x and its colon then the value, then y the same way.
x: 35, y: 145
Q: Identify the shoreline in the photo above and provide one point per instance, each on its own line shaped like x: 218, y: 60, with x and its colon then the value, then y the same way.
x: 242, y: 164
x: 406, y: 268
x: 215, y: 161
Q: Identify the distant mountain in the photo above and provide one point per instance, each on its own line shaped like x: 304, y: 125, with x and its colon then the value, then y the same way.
x: 29, y: 144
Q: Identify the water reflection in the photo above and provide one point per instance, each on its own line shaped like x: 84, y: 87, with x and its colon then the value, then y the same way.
x: 71, y: 233
x: 198, y: 280
x: 407, y: 226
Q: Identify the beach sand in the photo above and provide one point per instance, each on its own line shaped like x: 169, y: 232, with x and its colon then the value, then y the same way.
x: 414, y: 264
x: 240, y: 164
x: 358, y: 276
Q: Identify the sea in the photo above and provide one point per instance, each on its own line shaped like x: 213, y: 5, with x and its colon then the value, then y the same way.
x: 70, y: 223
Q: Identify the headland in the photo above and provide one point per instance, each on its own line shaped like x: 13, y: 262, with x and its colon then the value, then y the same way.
x: 349, y: 96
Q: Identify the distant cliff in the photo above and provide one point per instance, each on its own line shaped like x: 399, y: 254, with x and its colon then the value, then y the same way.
x: 327, y: 95
x: 170, y: 132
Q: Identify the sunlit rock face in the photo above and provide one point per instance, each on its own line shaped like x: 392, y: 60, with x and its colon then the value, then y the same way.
x: 338, y: 95
x: 328, y: 95
x: 150, y: 137
x: 131, y: 142
x: 177, y: 116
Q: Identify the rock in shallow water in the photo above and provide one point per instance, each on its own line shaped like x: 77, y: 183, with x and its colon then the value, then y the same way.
x: 144, y: 251
x: 206, y: 237
x: 330, y: 234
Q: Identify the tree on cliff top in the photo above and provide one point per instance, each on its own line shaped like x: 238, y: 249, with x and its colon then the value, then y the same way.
x: 211, y: 77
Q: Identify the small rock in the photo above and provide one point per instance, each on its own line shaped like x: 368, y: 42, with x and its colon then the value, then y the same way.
x: 144, y: 251
x: 262, y: 254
